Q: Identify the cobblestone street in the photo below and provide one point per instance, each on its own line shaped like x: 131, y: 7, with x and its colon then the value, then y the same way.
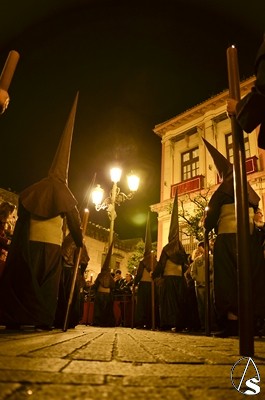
x: 97, y: 363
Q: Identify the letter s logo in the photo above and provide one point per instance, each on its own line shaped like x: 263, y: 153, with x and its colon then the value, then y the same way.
x: 251, y: 383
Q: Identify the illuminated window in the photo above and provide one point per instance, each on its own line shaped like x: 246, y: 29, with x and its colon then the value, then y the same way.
x: 229, y: 146
x: 190, y: 164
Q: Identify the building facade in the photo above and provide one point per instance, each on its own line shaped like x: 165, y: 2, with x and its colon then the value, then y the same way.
x: 96, y: 239
x: 187, y: 166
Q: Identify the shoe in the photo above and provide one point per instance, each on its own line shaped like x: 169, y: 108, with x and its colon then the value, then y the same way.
x: 221, y: 334
x: 40, y: 328
x: 231, y: 329
x: 177, y: 329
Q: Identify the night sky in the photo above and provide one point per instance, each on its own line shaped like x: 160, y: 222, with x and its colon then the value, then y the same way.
x: 135, y: 64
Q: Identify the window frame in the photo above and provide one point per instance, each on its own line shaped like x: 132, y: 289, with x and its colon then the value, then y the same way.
x: 229, y: 146
x: 193, y: 162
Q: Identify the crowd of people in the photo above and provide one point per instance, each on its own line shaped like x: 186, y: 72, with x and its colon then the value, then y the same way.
x: 165, y: 294
x: 176, y: 304
x: 42, y: 269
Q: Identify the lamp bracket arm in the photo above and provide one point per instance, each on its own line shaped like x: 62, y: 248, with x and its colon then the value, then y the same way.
x: 123, y: 197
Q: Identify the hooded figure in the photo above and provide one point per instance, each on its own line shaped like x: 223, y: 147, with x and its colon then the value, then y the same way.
x: 171, y: 267
x: 69, y: 258
x: 29, y: 286
x: 225, y: 171
x: 221, y: 216
x: 250, y: 111
x: 104, y: 286
x: 143, y: 279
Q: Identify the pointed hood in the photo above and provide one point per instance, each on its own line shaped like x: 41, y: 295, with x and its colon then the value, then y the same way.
x: 175, y: 249
x: 51, y: 196
x: 174, y: 222
x: 106, y: 265
x: 148, y: 239
x: 225, y: 171
x: 60, y: 164
x: 223, y: 166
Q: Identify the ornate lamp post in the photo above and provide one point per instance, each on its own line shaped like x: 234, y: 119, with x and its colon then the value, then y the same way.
x: 115, y: 197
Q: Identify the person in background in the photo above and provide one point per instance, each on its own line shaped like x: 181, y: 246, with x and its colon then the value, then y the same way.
x: 197, y: 269
x: 192, y: 315
x: 260, y: 227
x: 30, y: 282
x: 171, y: 267
x: 258, y: 218
x: 118, y: 297
x: 104, y: 286
x: 69, y: 255
x: 6, y: 231
x: 128, y: 283
x: 119, y: 282
x: 143, y: 282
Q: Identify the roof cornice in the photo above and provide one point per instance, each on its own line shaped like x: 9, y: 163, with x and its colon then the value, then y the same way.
x: 200, y: 109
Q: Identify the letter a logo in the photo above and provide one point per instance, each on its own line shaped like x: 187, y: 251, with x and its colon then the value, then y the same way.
x: 245, y: 376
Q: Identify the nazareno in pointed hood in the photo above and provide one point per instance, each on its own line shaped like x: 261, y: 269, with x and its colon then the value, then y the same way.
x: 60, y: 164
x: 174, y: 221
x: 223, y: 166
x: 148, y: 239
x: 106, y: 265
x: 51, y: 196
x: 225, y: 171
x: 148, y: 257
x: 104, y: 277
x: 174, y: 248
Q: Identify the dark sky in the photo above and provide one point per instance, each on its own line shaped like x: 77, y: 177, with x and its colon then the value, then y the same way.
x: 135, y: 63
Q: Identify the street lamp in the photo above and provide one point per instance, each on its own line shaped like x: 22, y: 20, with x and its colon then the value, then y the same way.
x: 115, y: 197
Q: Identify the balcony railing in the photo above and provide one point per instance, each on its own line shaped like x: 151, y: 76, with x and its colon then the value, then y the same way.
x: 197, y: 182
x: 188, y: 186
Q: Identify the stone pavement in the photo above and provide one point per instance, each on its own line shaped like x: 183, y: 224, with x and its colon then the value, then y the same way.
x: 122, y: 363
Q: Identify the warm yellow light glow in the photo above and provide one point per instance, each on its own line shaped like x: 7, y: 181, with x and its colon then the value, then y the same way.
x: 138, y: 219
x: 115, y: 174
x: 133, y: 182
x: 97, y: 195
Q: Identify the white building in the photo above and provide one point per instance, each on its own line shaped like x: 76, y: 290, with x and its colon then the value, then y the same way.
x: 186, y: 163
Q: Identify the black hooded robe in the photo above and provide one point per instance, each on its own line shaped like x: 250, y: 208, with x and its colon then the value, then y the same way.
x: 30, y: 283
x: 172, y: 289
x: 225, y: 262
